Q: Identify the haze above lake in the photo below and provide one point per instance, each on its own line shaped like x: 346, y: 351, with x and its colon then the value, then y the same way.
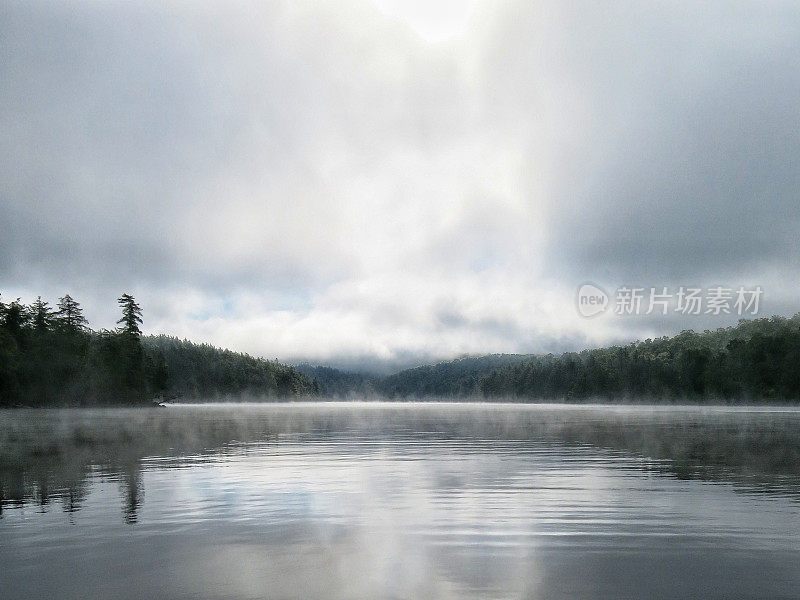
x: 400, y: 500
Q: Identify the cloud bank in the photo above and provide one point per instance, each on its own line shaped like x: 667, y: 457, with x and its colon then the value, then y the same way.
x: 397, y: 181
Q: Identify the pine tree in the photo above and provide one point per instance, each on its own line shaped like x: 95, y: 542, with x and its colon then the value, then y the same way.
x: 131, y: 315
x: 69, y: 315
x: 16, y: 318
x: 42, y: 315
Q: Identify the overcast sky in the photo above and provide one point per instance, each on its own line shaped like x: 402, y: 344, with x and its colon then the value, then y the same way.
x: 392, y: 181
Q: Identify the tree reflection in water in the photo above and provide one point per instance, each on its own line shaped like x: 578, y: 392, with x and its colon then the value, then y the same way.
x: 50, y: 455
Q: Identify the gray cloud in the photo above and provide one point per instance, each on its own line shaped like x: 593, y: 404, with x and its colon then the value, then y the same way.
x: 320, y: 180
x: 687, y: 169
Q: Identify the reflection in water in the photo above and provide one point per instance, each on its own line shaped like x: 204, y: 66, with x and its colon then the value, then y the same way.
x: 131, y: 480
x: 52, y: 454
x: 400, y: 500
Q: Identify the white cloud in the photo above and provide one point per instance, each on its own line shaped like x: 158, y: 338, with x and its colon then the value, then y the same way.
x: 396, y: 180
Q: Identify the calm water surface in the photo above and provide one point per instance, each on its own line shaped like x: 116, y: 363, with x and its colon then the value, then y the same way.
x: 373, y: 500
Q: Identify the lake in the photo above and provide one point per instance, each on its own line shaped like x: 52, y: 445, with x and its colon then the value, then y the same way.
x: 400, y: 500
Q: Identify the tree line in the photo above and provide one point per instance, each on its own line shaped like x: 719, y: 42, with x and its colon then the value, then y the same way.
x: 201, y: 372
x: 458, y: 377
x: 50, y: 357
x: 756, y: 360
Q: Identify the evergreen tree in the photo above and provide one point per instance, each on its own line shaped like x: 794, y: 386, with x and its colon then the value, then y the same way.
x: 42, y: 315
x: 69, y: 316
x: 16, y: 318
x: 54, y: 359
x: 131, y: 315
x: 130, y: 365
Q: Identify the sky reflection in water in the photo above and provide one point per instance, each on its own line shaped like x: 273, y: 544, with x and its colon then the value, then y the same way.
x: 365, y: 500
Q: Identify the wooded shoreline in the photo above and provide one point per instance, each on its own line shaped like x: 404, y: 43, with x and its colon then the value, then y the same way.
x: 50, y: 357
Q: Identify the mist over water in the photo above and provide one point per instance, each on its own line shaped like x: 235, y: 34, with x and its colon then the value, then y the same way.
x: 400, y: 500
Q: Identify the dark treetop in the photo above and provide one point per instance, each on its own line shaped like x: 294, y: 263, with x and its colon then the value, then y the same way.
x: 52, y: 358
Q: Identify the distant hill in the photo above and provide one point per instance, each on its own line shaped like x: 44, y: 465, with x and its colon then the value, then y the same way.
x: 458, y: 377
x: 337, y: 383
x: 756, y: 360
x: 201, y: 371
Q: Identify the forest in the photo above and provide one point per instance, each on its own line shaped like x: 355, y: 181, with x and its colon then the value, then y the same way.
x: 754, y: 361
x: 50, y: 357
x: 202, y: 372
